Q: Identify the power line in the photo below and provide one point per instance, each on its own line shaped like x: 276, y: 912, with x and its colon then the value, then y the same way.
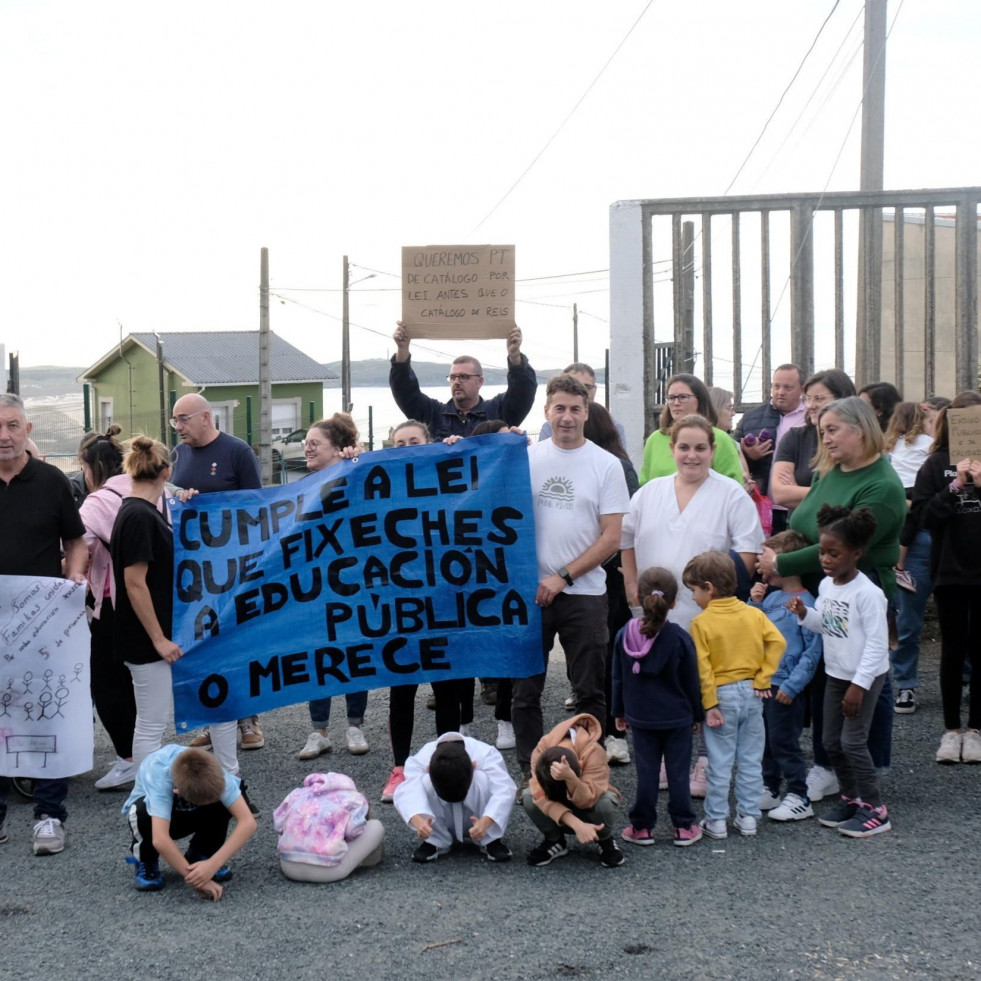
x: 561, y: 126
x: 807, y: 54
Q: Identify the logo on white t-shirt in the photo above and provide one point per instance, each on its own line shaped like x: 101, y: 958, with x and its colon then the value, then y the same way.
x: 557, y: 492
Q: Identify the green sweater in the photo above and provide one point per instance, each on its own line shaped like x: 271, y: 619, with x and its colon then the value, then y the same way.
x: 876, y: 487
x: 659, y: 460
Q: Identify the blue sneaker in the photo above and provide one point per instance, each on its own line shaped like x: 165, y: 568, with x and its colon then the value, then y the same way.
x: 148, y: 876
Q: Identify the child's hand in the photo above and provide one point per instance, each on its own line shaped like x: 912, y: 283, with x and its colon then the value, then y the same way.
x: 758, y: 592
x: 796, y: 606
x: 621, y: 725
x: 480, y: 827
x: 560, y: 770
x: 782, y: 697
x: 762, y: 693
x: 211, y: 890
x: 714, y: 718
x: 198, y: 874
x: 963, y: 469
x: 851, y: 704
x: 585, y: 833
x: 422, y: 824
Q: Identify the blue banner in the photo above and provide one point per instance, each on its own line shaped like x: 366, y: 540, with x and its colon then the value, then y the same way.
x: 404, y: 566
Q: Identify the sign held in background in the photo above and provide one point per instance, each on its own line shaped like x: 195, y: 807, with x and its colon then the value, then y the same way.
x: 458, y: 291
x: 964, y: 428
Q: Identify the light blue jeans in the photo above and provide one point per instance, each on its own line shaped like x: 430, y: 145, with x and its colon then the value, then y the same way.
x: 740, y: 741
x: 911, y: 610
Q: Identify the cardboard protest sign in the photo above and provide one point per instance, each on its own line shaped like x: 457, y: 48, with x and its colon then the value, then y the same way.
x: 45, y: 706
x: 405, y: 566
x: 458, y: 291
x: 964, y: 429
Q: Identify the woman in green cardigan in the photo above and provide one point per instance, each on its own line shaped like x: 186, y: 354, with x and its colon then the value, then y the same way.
x: 687, y: 394
x: 850, y: 471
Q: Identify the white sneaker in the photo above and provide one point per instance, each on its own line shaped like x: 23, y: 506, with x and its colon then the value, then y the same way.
x: 971, y: 746
x: 714, y: 828
x: 49, y: 836
x: 792, y: 809
x: 950, y: 748
x: 505, y: 735
x: 745, y: 825
x: 123, y: 772
x: 821, y: 783
x: 357, y: 745
x: 617, y: 750
x: 768, y: 801
x: 317, y: 742
x: 570, y: 702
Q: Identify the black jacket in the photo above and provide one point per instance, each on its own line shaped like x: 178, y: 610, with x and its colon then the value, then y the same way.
x: 444, y: 419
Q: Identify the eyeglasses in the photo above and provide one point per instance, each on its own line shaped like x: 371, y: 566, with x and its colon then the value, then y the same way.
x: 817, y: 399
x: 312, y: 444
x: 184, y: 420
x: 461, y: 378
x: 678, y: 398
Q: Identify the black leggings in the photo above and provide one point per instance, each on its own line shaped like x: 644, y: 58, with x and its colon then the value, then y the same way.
x: 959, y: 613
x: 111, y: 685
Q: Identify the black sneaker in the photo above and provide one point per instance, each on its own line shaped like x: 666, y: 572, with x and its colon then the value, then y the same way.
x: 546, y: 852
x: 497, y: 851
x: 905, y: 702
x: 426, y: 852
x: 844, y: 810
x: 610, y: 854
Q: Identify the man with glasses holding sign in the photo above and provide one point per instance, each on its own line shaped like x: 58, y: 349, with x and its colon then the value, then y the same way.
x: 465, y: 409
x: 207, y: 461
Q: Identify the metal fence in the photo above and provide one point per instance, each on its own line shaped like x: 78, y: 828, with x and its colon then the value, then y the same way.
x: 765, y: 252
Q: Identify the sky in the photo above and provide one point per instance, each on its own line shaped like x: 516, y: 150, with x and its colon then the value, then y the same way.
x: 151, y: 150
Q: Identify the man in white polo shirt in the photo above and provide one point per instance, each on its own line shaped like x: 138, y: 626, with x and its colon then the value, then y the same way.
x: 580, y: 497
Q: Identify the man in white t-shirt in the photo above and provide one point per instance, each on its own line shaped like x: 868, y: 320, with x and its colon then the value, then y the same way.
x: 580, y: 497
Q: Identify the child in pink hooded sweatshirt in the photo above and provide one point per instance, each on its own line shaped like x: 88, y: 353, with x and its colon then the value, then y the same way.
x: 324, y: 830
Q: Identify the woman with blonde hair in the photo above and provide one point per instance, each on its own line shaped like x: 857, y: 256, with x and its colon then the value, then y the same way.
x: 142, y: 551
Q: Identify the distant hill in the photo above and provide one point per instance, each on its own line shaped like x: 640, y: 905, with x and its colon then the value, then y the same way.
x: 50, y: 381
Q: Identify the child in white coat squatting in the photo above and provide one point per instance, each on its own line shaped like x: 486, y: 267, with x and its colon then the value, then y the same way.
x: 457, y: 789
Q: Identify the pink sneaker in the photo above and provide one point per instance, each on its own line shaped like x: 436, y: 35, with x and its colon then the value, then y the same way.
x: 683, y: 837
x: 699, y: 782
x: 395, y: 779
x: 637, y: 836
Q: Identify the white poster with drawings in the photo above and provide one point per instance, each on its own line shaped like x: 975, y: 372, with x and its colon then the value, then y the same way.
x: 46, y: 727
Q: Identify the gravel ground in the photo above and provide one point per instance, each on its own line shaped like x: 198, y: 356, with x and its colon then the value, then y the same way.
x: 796, y: 901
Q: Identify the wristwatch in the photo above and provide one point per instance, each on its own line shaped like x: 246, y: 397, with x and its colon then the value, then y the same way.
x: 564, y: 573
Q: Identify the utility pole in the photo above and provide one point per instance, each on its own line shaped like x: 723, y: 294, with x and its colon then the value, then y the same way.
x: 869, y: 332
x: 160, y: 385
x: 265, y: 378
x: 346, y: 404
x: 575, y: 332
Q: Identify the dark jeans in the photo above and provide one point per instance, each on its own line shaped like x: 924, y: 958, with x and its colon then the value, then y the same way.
x: 454, y: 704
x: 49, y: 798
x: 650, y: 746
x: 880, y: 734
x: 911, y: 609
x: 111, y: 685
x: 356, y: 703
x: 959, y: 613
x: 208, y: 826
x: 847, y: 741
x: 618, y: 613
x: 580, y: 622
x: 502, y: 710
x: 782, y: 755
x: 605, y: 811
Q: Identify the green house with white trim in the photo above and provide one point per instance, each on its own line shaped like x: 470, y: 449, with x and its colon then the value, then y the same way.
x: 144, y: 372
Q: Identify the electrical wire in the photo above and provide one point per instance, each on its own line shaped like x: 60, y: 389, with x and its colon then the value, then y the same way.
x: 561, y: 126
x: 783, y: 95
